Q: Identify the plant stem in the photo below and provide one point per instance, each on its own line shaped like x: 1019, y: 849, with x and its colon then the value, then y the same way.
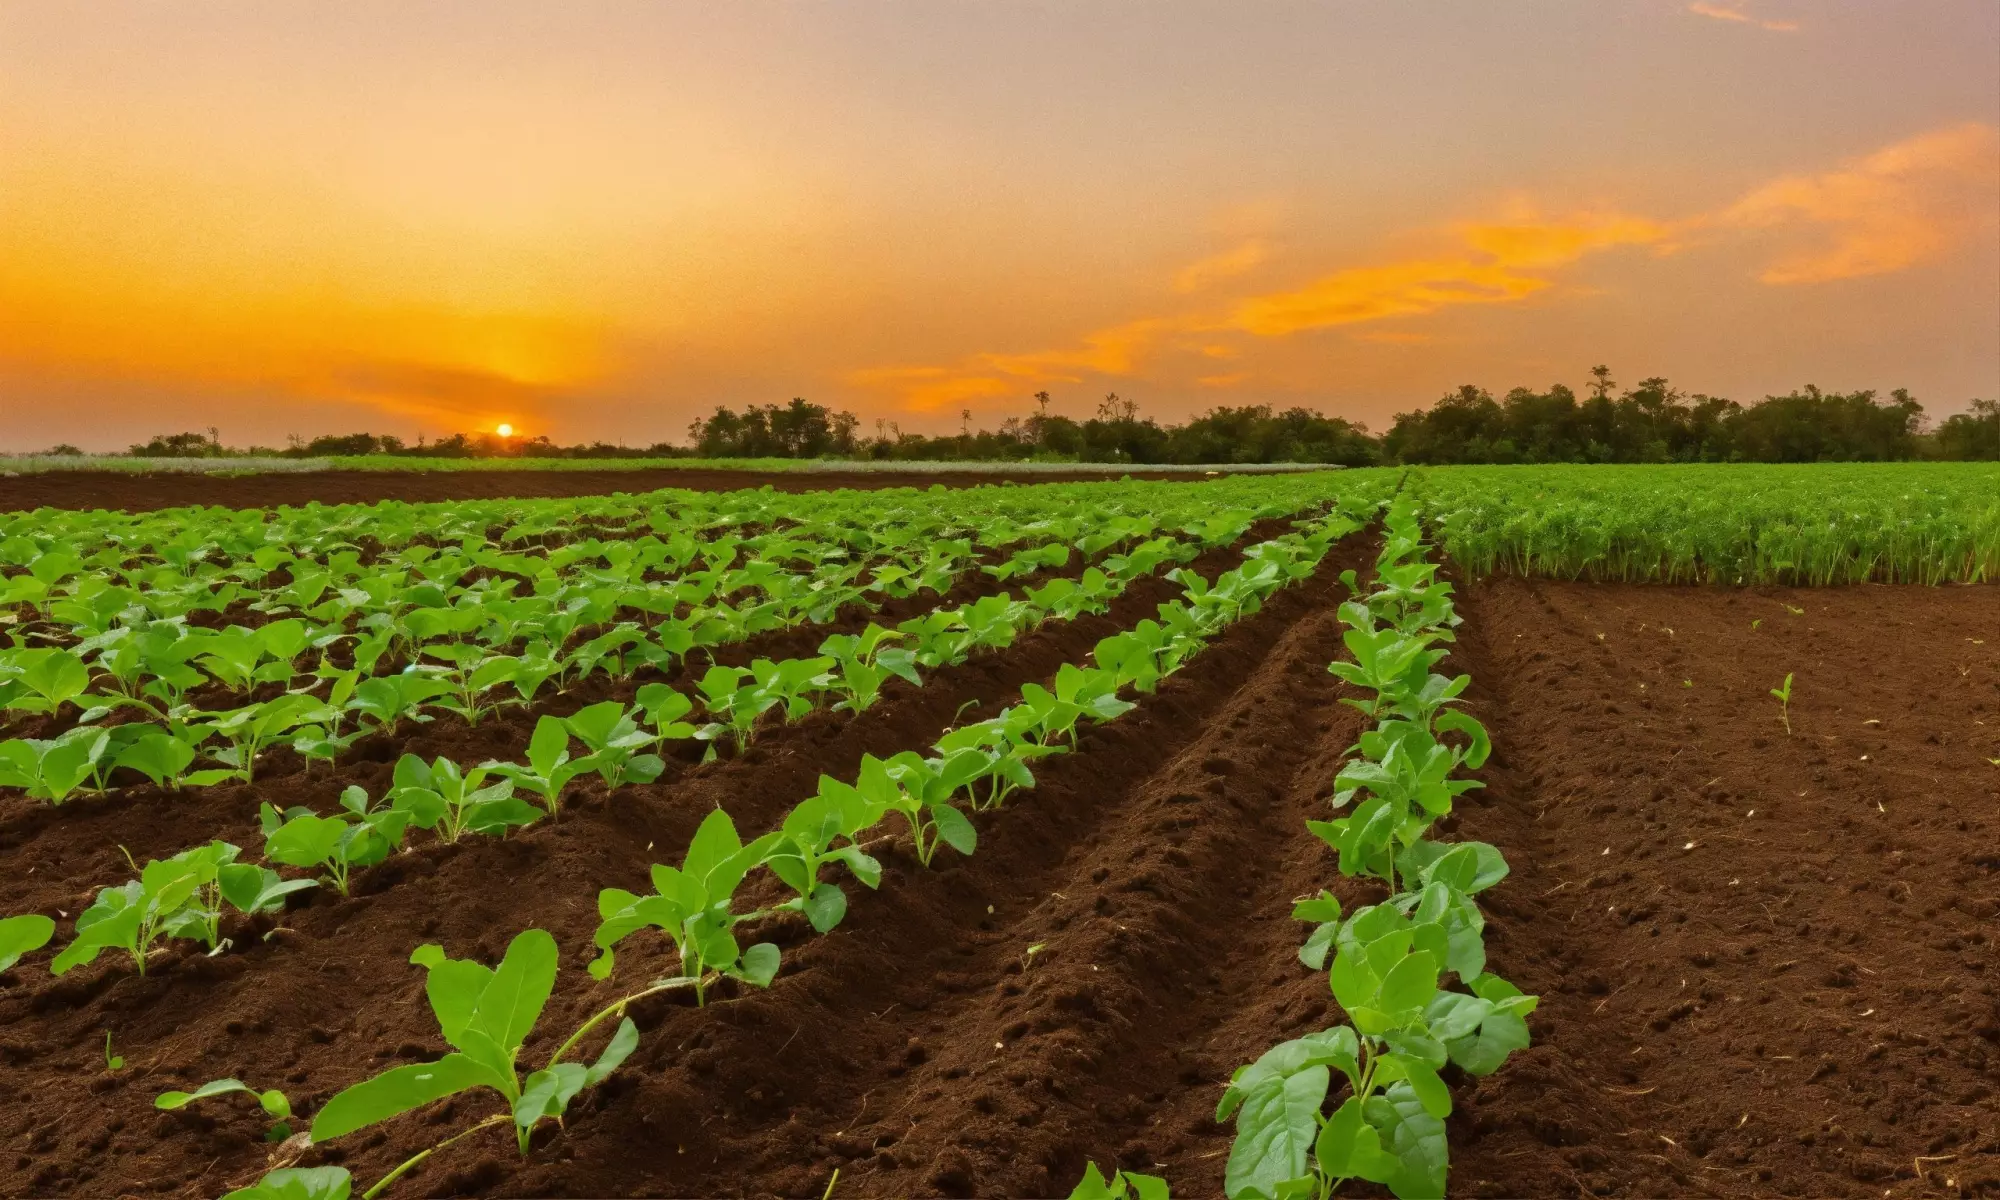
x: 420, y: 1156
x: 617, y: 1008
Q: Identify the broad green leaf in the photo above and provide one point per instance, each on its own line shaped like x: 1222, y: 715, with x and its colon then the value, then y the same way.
x: 396, y: 1091
x: 512, y: 1002
x: 22, y: 935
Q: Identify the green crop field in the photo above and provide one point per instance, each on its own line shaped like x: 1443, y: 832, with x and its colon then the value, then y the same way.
x: 240, y: 749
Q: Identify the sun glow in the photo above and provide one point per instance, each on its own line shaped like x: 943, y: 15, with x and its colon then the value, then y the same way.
x: 505, y: 430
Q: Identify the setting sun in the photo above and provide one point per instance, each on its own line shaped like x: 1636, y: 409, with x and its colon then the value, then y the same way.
x: 505, y: 430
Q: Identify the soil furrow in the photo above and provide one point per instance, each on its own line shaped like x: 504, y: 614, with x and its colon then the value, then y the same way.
x: 890, y: 1022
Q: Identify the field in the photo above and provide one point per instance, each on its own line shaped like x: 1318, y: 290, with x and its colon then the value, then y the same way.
x: 962, y: 842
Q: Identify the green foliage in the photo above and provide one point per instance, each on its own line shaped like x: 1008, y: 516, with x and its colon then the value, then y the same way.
x: 485, y: 1014
x: 21, y: 935
x: 694, y: 905
x: 179, y: 897
x: 1123, y: 1185
x: 439, y: 796
x: 359, y: 835
x: 274, y: 1103
x: 298, y: 1183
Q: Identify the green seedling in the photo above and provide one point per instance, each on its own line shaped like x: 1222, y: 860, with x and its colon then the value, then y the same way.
x: 550, y: 768
x: 440, y: 797
x: 729, y: 694
x: 921, y: 789
x: 1784, y: 695
x: 55, y: 768
x: 694, y: 905
x: 273, y: 1102
x: 663, y: 707
x: 839, y: 812
x: 298, y: 1183
x: 40, y: 680
x: 358, y: 836
x: 250, y: 729
x: 1123, y: 1185
x: 614, y: 740
x: 485, y: 1014
x: 864, y: 662
x: 182, y: 897
x: 112, y: 1062
x: 21, y: 935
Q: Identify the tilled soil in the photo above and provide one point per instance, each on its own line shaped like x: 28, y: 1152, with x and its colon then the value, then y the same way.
x: 1082, y: 986
x: 133, y: 491
x: 1769, y: 963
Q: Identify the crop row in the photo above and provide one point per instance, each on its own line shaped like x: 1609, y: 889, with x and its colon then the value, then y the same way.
x: 1387, y: 963
x: 470, y: 649
x: 486, y: 1015
x: 1815, y: 524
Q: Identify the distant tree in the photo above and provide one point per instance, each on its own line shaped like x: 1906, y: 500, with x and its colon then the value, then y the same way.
x: 1967, y: 436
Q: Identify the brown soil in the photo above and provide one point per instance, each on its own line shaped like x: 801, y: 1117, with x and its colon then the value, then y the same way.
x: 1803, y: 1003
x: 921, y: 1049
x: 141, y: 492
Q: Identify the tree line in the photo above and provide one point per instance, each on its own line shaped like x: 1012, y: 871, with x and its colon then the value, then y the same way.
x: 1653, y: 422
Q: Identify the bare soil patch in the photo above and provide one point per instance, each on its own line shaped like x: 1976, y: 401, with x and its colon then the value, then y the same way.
x: 139, y: 492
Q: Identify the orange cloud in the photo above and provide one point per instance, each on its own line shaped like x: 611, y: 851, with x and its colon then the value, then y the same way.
x: 1200, y: 275
x: 1720, y: 13
x: 1513, y: 252
x: 1896, y: 208
x: 1113, y: 351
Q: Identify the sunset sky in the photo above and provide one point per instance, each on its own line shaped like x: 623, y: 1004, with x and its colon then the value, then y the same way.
x: 599, y: 220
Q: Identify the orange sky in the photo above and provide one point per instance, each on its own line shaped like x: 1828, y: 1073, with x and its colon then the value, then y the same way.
x: 598, y: 221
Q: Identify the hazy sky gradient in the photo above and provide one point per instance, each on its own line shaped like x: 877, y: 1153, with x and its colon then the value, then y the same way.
x: 598, y: 221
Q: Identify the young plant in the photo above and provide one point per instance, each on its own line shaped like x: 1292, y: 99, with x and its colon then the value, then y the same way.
x: 550, y: 768
x: 864, y: 662
x: 24, y: 934
x: 273, y: 1102
x: 180, y: 896
x: 1123, y: 1185
x: 52, y: 769
x: 663, y: 707
x: 440, y: 797
x: 249, y: 729
x: 165, y: 758
x: 40, y: 680
x: 485, y: 1014
x: 614, y: 738
x: 299, y: 1183
x: 1784, y: 695
x: 1004, y: 743
x: 921, y: 789
x: 839, y: 812
x: 729, y: 694
x: 359, y: 836
x: 792, y: 684
x: 694, y: 905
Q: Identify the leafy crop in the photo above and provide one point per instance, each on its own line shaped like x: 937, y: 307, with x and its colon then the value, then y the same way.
x: 274, y: 1103
x: 21, y: 935
x: 178, y: 897
x: 439, y: 796
x: 1390, y: 962
x: 485, y: 1014
x: 694, y: 905
x: 360, y: 835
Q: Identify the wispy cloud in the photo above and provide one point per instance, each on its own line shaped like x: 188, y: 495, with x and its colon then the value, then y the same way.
x: 1898, y: 207
x: 1718, y: 12
x: 1196, y: 276
x: 1901, y: 206
x: 1508, y: 261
